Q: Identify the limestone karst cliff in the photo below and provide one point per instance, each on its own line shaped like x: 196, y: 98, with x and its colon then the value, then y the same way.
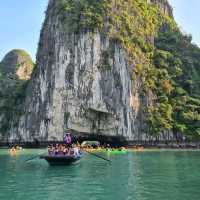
x: 82, y: 82
x: 15, y: 70
x: 103, y: 68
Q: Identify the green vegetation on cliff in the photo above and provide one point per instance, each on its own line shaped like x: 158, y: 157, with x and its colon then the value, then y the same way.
x: 165, y: 59
x: 15, y: 71
x: 132, y: 23
x: 177, y: 63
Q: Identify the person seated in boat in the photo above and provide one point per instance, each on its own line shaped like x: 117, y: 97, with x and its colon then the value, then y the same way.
x: 65, y: 150
x: 49, y: 149
x: 71, y: 151
x: 60, y: 150
x: 56, y: 150
x: 76, y: 151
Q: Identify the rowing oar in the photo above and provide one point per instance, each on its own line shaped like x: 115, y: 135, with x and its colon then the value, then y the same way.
x: 32, y: 158
x: 98, y: 156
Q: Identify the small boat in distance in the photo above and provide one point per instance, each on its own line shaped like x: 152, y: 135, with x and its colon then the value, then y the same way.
x: 116, y: 151
x: 61, y: 159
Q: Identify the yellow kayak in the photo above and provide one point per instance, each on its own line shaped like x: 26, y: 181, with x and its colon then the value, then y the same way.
x: 13, y: 151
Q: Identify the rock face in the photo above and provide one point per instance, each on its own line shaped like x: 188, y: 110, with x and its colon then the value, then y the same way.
x: 15, y: 71
x: 82, y: 82
x: 17, y: 62
x: 75, y: 91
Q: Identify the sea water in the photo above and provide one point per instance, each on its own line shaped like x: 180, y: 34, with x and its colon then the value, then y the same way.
x: 148, y: 175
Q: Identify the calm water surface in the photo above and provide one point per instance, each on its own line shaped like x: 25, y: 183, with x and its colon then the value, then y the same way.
x: 151, y: 175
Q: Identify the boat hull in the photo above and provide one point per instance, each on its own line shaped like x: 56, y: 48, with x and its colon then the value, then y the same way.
x: 60, y: 160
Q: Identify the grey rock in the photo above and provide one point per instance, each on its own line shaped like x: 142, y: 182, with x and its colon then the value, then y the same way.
x: 82, y: 82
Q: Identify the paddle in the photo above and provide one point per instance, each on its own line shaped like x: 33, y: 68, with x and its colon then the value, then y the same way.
x: 32, y: 158
x: 98, y: 156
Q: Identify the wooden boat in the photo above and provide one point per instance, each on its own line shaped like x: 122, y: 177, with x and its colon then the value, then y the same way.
x: 61, y: 159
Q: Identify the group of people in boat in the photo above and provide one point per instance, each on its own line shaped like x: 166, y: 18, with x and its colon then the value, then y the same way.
x: 63, y: 150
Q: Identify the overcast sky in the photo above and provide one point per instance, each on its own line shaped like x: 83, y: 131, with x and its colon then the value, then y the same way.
x: 21, y: 21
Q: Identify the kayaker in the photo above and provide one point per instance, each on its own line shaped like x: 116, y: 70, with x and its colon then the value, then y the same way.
x: 13, y: 151
x: 108, y: 147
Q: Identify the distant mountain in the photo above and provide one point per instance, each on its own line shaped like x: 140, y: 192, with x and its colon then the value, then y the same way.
x: 15, y: 72
x: 17, y: 62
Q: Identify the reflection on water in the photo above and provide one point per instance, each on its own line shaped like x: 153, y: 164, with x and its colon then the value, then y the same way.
x: 132, y: 176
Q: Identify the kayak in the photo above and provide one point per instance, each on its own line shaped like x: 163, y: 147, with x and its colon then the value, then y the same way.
x: 94, y: 150
x: 110, y: 151
x: 61, y: 159
x: 116, y: 151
